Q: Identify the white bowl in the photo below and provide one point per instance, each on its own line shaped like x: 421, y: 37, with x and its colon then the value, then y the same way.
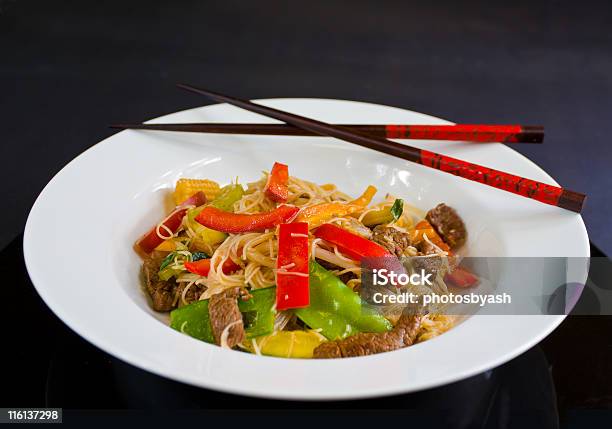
x: 79, y: 235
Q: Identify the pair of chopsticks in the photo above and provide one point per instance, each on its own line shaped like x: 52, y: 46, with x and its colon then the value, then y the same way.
x: 518, y: 185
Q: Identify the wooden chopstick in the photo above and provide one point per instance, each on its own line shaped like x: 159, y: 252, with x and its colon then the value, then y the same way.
x: 518, y: 185
x: 472, y: 133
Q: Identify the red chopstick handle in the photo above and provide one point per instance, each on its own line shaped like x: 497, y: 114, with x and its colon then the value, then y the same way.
x: 472, y: 133
x: 539, y: 191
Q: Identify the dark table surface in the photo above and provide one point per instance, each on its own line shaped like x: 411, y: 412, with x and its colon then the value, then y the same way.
x: 70, y: 68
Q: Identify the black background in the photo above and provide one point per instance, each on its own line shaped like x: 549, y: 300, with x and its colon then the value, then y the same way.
x: 70, y: 68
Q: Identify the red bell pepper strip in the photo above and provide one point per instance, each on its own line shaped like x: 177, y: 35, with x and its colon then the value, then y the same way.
x: 292, y: 279
x: 276, y: 189
x: 350, y: 244
x: 373, y: 255
x: 202, y: 267
x: 460, y: 277
x: 219, y: 220
x: 151, y: 239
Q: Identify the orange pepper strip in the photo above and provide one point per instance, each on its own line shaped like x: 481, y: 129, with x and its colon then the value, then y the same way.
x: 166, y: 246
x: 424, y: 227
x: 366, y: 197
x: 321, y: 213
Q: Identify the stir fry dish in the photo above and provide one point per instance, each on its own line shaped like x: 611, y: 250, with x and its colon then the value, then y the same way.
x: 274, y: 267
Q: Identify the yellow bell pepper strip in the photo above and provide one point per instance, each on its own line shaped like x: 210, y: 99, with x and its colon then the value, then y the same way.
x: 276, y: 189
x: 148, y: 242
x: 424, y: 227
x: 336, y: 310
x: 219, y: 220
x: 173, y: 244
x: 288, y: 344
x: 166, y: 246
x: 292, y: 266
x: 384, y: 215
x: 258, y: 312
x: 366, y: 197
x: 320, y: 213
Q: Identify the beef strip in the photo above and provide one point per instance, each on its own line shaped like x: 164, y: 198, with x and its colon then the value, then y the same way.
x: 193, y: 293
x: 162, y: 292
x: 393, y: 240
x: 448, y: 225
x: 223, y: 311
x: 431, y: 264
x: 402, y: 335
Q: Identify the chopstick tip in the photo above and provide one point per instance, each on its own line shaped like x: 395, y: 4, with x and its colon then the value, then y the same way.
x: 188, y: 87
x: 200, y: 91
